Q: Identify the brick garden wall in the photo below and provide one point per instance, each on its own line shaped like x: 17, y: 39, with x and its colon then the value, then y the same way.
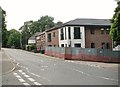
x: 85, y: 54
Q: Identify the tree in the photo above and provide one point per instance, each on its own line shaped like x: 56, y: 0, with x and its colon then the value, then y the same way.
x: 3, y: 26
x: 31, y: 27
x: 0, y: 28
x: 25, y: 33
x: 45, y: 22
x: 14, y: 38
x: 42, y: 24
x: 115, y: 26
x: 34, y: 27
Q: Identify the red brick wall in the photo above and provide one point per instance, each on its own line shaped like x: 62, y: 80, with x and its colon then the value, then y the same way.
x: 41, y: 43
x: 54, y: 40
x: 96, y: 38
x: 83, y: 54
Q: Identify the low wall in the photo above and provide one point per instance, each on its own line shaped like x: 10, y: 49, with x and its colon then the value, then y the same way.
x: 86, y: 54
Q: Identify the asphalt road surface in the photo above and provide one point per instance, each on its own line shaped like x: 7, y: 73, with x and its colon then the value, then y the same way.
x: 39, y: 69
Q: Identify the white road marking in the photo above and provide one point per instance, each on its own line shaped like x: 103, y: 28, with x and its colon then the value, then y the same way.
x: 36, y: 83
x: 23, y: 73
x: 34, y: 74
x: 92, y: 65
x: 26, y: 84
x: 20, y: 70
x: 82, y: 72
x: 18, y: 64
x: 95, y: 76
x: 27, y: 76
x: 15, y: 74
x: 31, y: 79
x: 21, y: 80
x: 22, y: 66
x: 18, y: 76
x: 107, y: 78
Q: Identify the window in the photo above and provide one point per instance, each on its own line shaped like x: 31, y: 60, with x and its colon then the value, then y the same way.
x: 69, y: 45
x: 92, y: 45
x: 103, y: 45
x: 108, y: 45
x: 49, y: 45
x: 102, y: 30
x: 49, y: 37
x: 92, y: 31
x: 65, y: 45
x: 69, y: 33
x: 107, y: 31
x: 65, y: 33
x: 62, y: 34
x: 77, y: 34
x: 77, y: 45
x: 62, y: 45
x: 53, y: 34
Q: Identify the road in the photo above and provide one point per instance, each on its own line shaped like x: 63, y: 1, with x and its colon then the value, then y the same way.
x: 39, y: 69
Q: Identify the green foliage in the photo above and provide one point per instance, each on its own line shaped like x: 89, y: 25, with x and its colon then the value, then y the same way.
x: 30, y: 47
x: 3, y: 26
x: 14, y: 38
x: 45, y: 22
x: 34, y: 27
x: 0, y: 28
x: 115, y: 26
x: 31, y: 27
x: 25, y: 34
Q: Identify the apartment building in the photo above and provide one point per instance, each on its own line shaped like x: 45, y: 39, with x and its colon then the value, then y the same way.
x: 85, y: 33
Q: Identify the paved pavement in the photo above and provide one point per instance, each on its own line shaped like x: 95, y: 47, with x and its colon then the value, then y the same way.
x: 0, y: 68
x: 7, y: 64
x: 39, y: 69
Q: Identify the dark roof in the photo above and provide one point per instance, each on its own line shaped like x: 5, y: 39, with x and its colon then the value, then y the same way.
x: 85, y: 21
x: 33, y: 36
x: 55, y: 27
x: 40, y: 33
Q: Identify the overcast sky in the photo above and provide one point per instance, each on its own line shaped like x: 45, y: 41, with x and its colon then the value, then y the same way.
x: 19, y: 11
